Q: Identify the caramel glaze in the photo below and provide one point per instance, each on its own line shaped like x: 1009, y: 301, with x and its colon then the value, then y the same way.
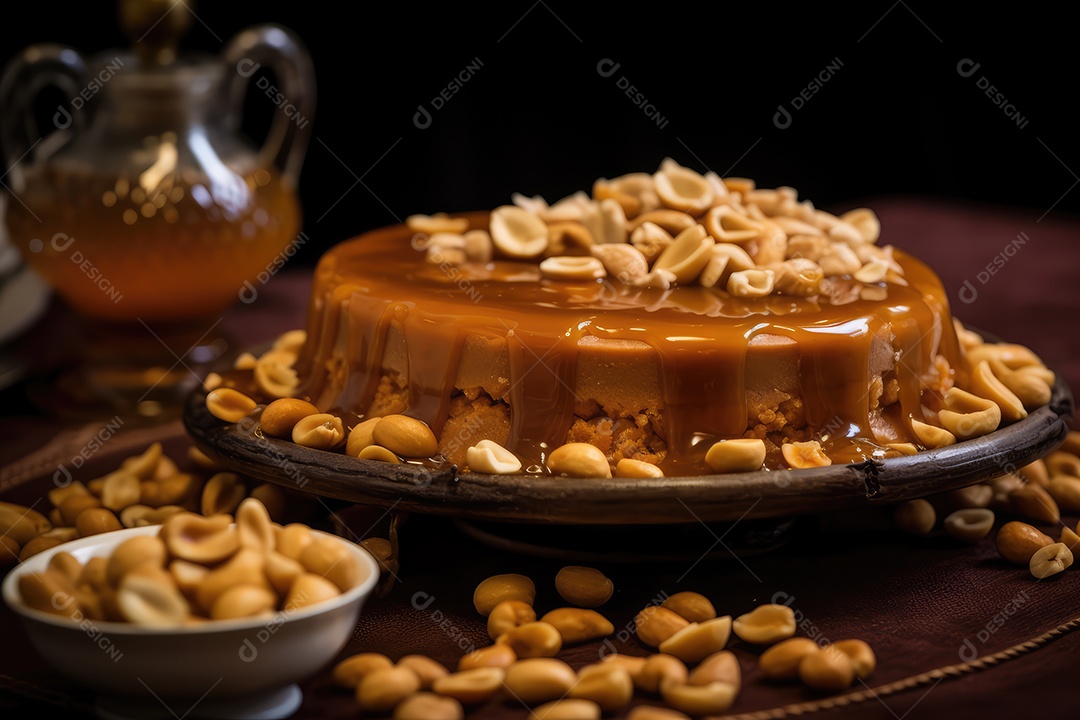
x: 700, y: 336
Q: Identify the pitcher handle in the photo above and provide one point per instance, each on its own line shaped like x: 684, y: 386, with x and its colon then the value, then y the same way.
x: 35, y: 68
x: 279, y: 49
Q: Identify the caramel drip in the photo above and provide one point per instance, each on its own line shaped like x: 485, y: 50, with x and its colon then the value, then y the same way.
x: 700, y: 337
x: 365, y: 323
x: 542, y: 398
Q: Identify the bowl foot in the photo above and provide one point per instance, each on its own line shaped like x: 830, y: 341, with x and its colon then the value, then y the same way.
x: 273, y: 705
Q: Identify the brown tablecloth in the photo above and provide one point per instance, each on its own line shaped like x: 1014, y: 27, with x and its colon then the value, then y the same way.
x: 957, y: 632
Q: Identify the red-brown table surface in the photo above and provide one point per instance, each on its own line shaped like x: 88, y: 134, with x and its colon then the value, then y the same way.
x: 957, y: 632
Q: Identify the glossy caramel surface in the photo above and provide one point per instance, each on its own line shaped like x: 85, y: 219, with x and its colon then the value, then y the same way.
x: 700, y: 338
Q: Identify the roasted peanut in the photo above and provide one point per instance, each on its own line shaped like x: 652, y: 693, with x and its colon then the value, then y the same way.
x: 222, y: 494
x: 917, y: 517
x: 21, y: 523
x: 405, y: 436
x: 628, y: 468
x: 381, y: 690
x: 693, y: 606
x: 827, y: 669
x: 229, y: 404
x: 781, y: 661
x: 243, y: 600
x: 321, y: 431
x: 379, y: 453
x: 309, y: 589
x: 491, y: 458
x: 539, y: 680
x: 119, y: 490
x: 698, y: 640
x: 607, y: 685
x: 254, y: 527
x: 497, y: 588
x: 349, y: 672
x: 245, y: 566
x: 517, y: 233
x: 687, y: 255
x: 1065, y: 490
x: 567, y: 709
x: 499, y: 655
x: 1035, y: 503
x: 931, y: 436
x: 577, y: 625
x: 146, y: 600
x: 681, y: 188
x: 360, y: 436
x: 655, y: 624
x: 1017, y: 541
x: 861, y: 654
x: 132, y: 553
x: 660, y: 669
x: 50, y: 591
x: 969, y: 524
x: 428, y: 706
x: 721, y: 666
x: 583, y: 586
x: 534, y: 640
x: 766, y: 624
x: 579, y: 460
x: 331, y: 559
x: 292, y: 539
x: 967, y: 415
x: 198, y: 539
x: 94, y: 521
x: 652, y: 712
x: 737, y: 455
x: 807, y: 454
x: 698, y: 700
x: 472, y: 686
x: 70, y: 509
x: 507, y: 615
x: 280, y: 416
x: 572, y: 267
x: 427, y: 669
x: 1050, y: 560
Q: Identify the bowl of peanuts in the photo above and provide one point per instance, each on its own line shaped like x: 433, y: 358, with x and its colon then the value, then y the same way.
x: 216, y: 616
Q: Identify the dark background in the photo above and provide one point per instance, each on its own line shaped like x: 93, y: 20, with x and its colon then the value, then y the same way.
x: 536, y: 117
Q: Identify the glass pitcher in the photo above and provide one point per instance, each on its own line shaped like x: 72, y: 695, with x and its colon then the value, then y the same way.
x: 145, y: 209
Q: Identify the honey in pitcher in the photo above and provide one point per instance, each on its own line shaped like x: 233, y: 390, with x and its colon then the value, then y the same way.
x: 156, y: 247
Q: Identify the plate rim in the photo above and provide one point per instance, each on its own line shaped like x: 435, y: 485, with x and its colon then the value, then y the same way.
x: 597, y: 501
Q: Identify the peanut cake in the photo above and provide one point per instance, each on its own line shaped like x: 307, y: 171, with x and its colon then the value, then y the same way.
x: 657, y: 318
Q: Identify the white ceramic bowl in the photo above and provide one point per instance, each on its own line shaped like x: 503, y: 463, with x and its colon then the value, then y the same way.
x: 224, y: 668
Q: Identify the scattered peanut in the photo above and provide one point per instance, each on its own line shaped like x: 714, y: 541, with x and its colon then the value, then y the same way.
x: 507, y: 615
x: 917, y: 517
x: 539, y: 680
x: 693, y: 606
x: 781, y: 661
x: 1050, y: 560
x: 497, y: 588
x: 1017, y: 541
x: 583, y: 586
x: 697, y: 641
x: 969, y: 524
x: 827, y: 669
x: 655, y: 624
x: 765, y: 624
x: 577, y: 625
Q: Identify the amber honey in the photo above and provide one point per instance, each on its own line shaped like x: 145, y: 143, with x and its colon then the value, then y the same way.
x: 177, y: 247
